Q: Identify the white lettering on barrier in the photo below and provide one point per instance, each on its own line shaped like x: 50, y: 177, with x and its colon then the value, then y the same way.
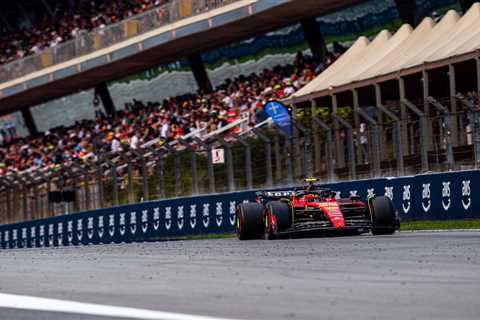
x: 389, y: 192
x: 180, y: 217
x: 133, y: 222
x: 111, y: 225
x: 232, y: 213
x: 193, y: 216
x: 426, y: 194
x: 80, y: 229
x: 219, y: 213
x: 41, y: 237
x: 70, y: 232
x: 466, y: 192
x: 50, y: 234
x: 168, y: 218
x: 406, y: 199
x: 90, y: 228
x: 156, y: 218
x: 206, y: 215
x: 446, y: 201
x: 121, y: 224
x: 144, y: 221
x: 370, y: 193
x: 60, y: 233
x: 101, y: 227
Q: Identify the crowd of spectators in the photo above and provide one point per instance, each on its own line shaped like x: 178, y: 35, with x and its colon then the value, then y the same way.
x: 68, y: 22
x: 141, y: 122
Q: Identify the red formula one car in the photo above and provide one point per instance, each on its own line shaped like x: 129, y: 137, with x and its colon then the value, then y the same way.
x: 313, y: 209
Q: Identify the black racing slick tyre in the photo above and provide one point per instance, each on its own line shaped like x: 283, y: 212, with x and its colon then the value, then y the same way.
x: 383, y: 216
x: 250, y: 221
x: 278, y: 218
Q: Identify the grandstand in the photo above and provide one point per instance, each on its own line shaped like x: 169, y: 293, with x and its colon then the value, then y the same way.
x: 359, y: 103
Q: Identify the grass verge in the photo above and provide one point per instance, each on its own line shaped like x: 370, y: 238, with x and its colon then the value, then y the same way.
x: 440, y: 225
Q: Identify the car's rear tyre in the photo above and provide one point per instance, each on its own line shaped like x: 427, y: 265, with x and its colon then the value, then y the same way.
x: 383, y: 216
x: 250, y: 221
x: 278, y: 217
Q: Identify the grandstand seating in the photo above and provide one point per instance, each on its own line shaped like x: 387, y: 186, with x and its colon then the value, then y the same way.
x: 50, y: 31
x: 168, y: 120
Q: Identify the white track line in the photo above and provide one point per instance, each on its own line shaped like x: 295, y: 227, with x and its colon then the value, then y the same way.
x: 12, y: 301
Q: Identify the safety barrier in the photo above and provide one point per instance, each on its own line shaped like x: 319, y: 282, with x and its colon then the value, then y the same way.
x: 422, y: 197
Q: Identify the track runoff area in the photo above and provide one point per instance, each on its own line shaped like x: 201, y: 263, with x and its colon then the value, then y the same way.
x: 408, y: 275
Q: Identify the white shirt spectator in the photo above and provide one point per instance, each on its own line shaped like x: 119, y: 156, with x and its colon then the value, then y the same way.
x: 134, y: 142
x: 116, y: 146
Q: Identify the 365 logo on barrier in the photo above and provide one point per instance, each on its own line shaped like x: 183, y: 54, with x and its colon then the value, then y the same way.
x: 219, y: 213
x: 180, y: 217
x: 193, y: 216
x: 111, y: 225
x: 446, y: 201
x: 389, y: 192
x: 101, y: 227
x: 144, y: 221
x: 426, y: 197
x: 232, y: 213
x: 406, y: 199
x: 206, y: 215
x: 90, y: 228
x: 168, y: 218
x: 41, y: 236
x: 466, y: 193
x: 122, y: 227
x: 156, y: 218
x: 133, y: 222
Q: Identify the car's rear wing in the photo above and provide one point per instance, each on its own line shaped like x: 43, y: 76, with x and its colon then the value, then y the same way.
x: 275, y: 194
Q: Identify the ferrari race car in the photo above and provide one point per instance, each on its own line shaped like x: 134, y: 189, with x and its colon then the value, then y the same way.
x: 313, y: 209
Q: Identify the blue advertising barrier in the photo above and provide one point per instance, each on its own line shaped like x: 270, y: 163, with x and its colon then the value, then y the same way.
x: 422, y: 197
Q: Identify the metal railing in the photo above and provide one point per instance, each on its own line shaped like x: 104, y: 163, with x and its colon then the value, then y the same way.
x: 100, y: 38
x: 259, y: 157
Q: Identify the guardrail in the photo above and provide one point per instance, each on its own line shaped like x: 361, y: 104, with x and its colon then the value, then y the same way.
x: 451, y: 195
x: 100, y: 38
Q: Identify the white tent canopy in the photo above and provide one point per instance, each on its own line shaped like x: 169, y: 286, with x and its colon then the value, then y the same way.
x: 407, y: 48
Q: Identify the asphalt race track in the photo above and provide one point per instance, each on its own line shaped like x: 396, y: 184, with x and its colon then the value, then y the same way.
x: 424, y: 275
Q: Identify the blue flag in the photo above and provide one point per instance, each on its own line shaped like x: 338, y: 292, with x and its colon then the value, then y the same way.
x: 280, y: 116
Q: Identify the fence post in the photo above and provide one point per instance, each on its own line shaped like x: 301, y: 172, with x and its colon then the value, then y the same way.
x: 447, y: 117
x: 288, y: 155
x: 278, y: 159
x: 268, y: 156
x: 423, y: 132
x: 113, y: 174
x: 230, y: 173
x: 178, y: 169
x: 397, y: 138
x: 351, y: 147
x: 376, y: 140
x: 328, y: 148
x: 193, y: 160
x: 306, y: 158
x: 211, y: 173
x: 248, y: 160
x: 159, y: 164
x: 140, y: 156
x: 131, y: 195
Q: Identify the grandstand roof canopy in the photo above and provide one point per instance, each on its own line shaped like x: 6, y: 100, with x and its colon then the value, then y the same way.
x: 430, y: 45
x: 237, y: 21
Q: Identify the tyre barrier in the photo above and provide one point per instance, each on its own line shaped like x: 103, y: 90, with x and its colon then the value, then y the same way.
x: 423, y: 197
